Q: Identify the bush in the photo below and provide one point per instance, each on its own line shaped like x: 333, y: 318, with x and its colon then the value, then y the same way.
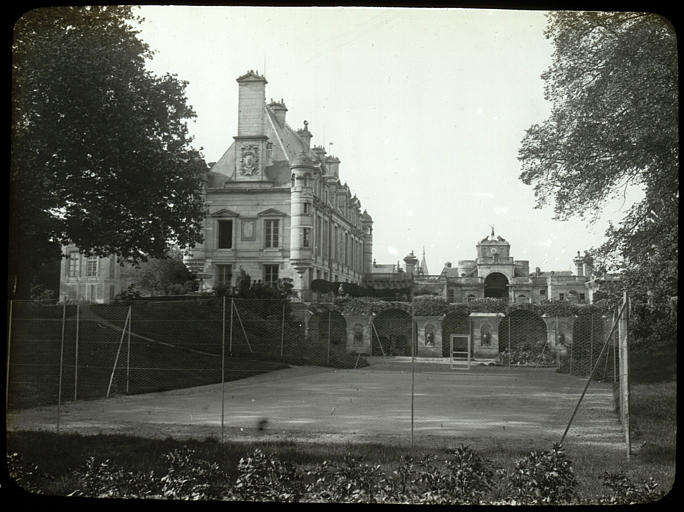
x: 24, y: 477
x: 101, y: 480
x: 627, y: 493
x: 354, y: 481
x: 188, y: 477
x: 191, y: 478
x: 543, y: 478
x: 263, y: 477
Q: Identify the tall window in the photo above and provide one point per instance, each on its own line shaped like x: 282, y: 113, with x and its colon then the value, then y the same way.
x: 450, y: 294
x: 74, y: 264
x: 225, y: 234
x: 271, y: 229
x: 91, y: 266
x: 224, y: 274
x: 306, y: 237
x: 270, y: 274
x: 307, y: 208
x: 561, y: 296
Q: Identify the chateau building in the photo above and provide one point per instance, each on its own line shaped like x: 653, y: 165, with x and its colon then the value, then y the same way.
x: 276, y: 206
x: 493, y: 273
x: 91, y: 278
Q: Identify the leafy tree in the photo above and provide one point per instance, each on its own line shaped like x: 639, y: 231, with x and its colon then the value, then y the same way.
x: 167, y: 276
x: 613, y: 84
x: 101, y: 155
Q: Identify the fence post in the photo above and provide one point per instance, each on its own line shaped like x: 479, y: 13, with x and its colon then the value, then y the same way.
x: 615, y: 365
x: 128, y: 348
x: 61, y: 365
x: 591, y: 343
x: 230, y: 339
x: 509, y: 341
x: 282, y: 333
x: 413, y: 369
x: 571, y: 348
x: 118, y: 352
x: 329, y: 330
x: 623, y: 339
x: 9, y: 339
x: 78, y: 320
x: 223, y: 361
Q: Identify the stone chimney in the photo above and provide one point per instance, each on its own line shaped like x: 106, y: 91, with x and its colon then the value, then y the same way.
x: 410, y: 261
x: 251, y: 100
x: 588, y: 265
x: 579, y: 264
x: 319, y: 151
x: 305, y: 135
x: 279, y: 110
x: 333, y: 165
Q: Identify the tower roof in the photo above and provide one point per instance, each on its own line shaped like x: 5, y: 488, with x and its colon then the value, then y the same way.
x: 423, y: 264
x: 251, y: 76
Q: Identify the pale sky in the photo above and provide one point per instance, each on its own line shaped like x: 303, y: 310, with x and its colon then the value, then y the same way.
x: 425, y: 108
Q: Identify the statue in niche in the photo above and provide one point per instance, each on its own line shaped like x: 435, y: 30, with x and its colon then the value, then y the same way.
x: 486, y: 335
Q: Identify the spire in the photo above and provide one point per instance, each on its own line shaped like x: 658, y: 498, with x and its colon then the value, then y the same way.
x: 423, y: 264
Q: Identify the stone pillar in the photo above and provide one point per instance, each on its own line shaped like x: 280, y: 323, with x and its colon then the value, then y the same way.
x: 559, y: 332
x: 484, y: 332
x: 358, y: 333
x: 429, y: 336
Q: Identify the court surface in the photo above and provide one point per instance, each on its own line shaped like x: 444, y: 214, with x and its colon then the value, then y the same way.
x: 373, y: 404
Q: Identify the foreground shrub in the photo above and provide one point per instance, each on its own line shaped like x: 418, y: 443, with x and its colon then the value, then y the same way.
x: 463, y: 477
x: 352, y: 481
x: 188, y: 477
x: 543, y: 478
x: 102, y: 480
x: 263, y: 477
x: 625, y: 492
x: 191, y: 478
x: 25, y: 476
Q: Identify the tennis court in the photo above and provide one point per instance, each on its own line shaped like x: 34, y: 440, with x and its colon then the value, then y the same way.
x: 373, y: 404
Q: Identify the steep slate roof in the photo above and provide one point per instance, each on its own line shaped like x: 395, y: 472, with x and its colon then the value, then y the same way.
x: 286, y: 146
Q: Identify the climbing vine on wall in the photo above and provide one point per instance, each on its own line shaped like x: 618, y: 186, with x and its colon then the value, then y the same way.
x: 426, y: 305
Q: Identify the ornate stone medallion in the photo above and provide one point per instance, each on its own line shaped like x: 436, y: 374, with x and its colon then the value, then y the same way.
x: 249, y: 160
